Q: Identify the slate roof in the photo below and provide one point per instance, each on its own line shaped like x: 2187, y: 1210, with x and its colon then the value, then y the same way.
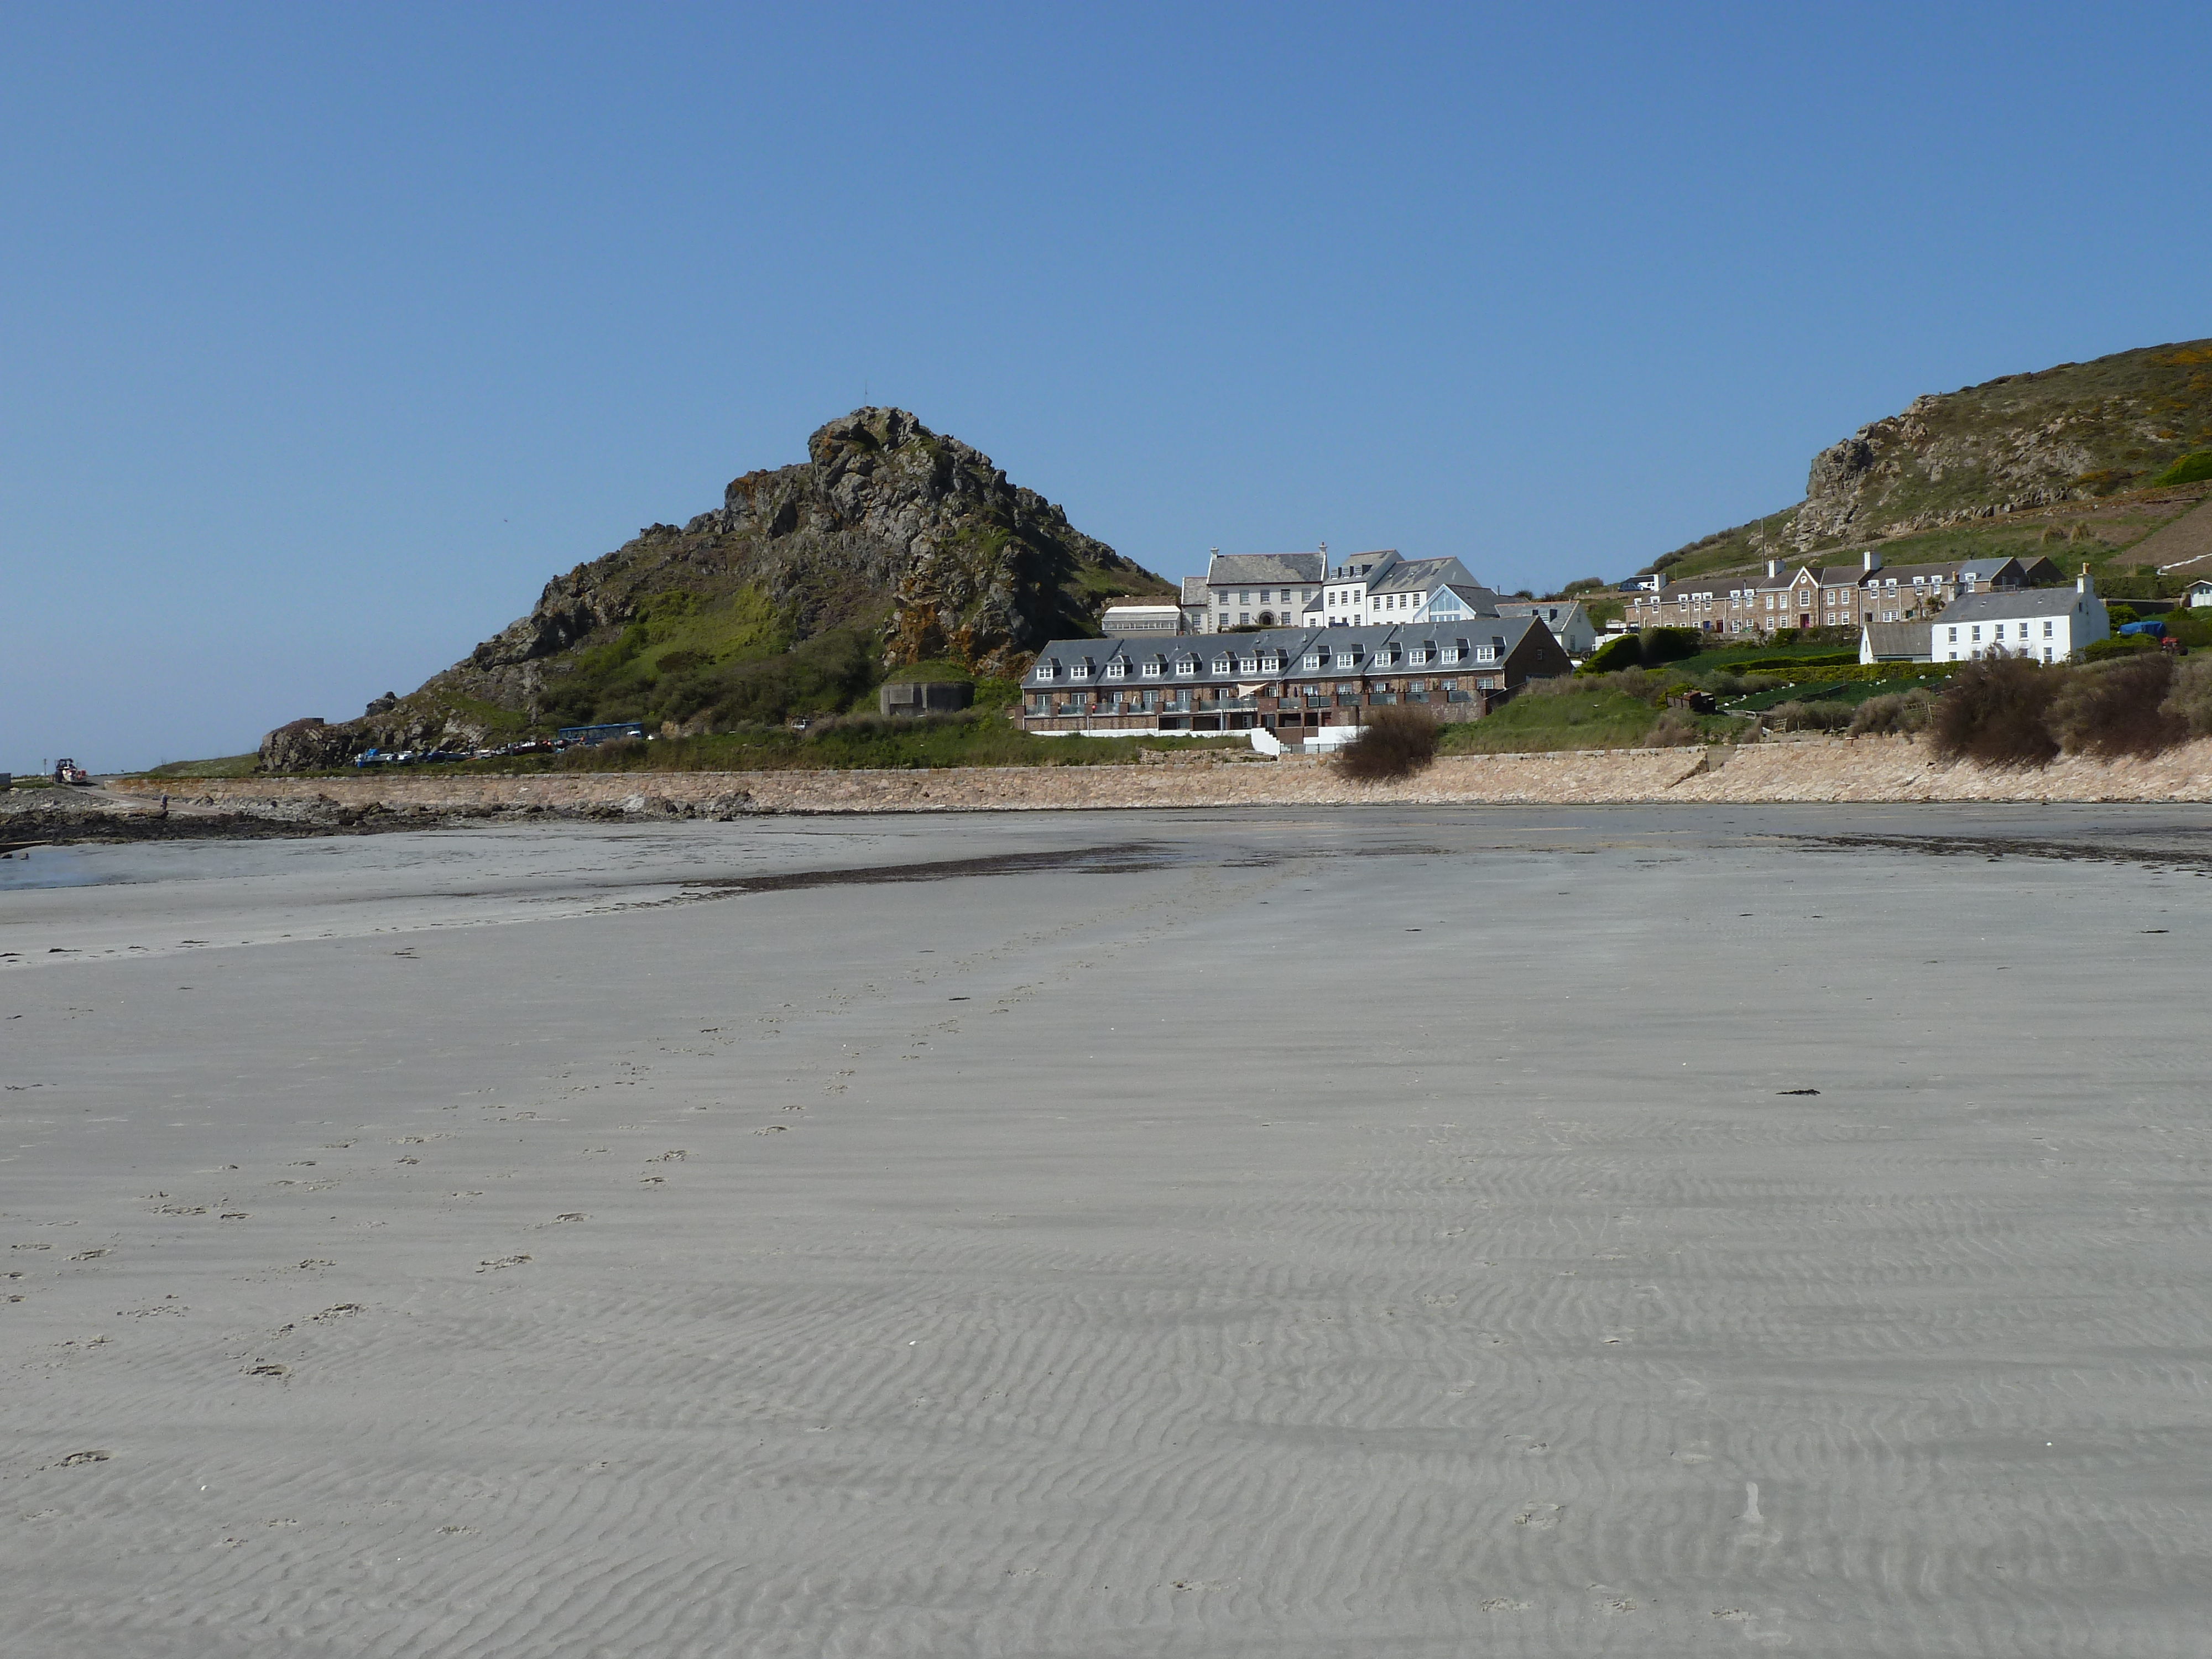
x: 1905, y: 642
x: 1194, y: 590
x: 1422, y: 575
x: 1348, y: 650
x: 2021, y: 602
x: 1235, y: 569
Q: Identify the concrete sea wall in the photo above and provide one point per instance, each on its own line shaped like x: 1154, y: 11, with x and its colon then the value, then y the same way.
x: 1841, y: 769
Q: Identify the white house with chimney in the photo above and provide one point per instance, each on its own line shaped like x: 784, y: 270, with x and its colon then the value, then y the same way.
x: 2049, y: 624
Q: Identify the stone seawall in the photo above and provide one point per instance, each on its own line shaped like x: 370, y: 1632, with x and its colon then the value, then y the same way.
x: 1844, y: 769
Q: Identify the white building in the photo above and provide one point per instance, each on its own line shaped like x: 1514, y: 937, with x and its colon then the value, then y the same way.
x: 1894, y: 641
x: 2050, y: 624
x: 1254, y: 589
x: 1375, y: 590
x: 2198, y: 594
x: 1141, y: 619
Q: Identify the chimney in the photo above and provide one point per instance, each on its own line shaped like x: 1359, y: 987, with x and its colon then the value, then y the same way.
x: 1773, y: 568
x: 1871, y: 559
x: 2081, y: 581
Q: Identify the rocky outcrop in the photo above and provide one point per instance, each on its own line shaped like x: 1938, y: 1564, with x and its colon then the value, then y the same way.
x: 886, y: 524
x: 2074, y: 433
x: 908, y: 539
x: 309, y: 745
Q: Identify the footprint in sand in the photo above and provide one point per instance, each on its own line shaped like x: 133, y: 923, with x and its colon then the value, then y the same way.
x: 1538, y: 1517
x: 77, y: 1457
x: 1751, y: 1527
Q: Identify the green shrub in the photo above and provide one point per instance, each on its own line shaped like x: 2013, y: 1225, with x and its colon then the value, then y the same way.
x: 2193, y: 468
x: 2128, y: 645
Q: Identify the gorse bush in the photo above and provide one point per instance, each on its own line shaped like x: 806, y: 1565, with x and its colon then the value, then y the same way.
x: 1894, y: 713
x: 1997, y: 714
x: 2115, y: 708
x: 1397, y: 743
x: 2188, y: 696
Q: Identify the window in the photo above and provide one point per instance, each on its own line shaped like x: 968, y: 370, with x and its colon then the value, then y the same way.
x: 1978, y: 631
x: 1310, y: 661
x: 1224, y: 664
x: 1152, y: 669
x: 1080, y: 671
x: 1347, y: 688
x: 2046, y: 630
x: 1417, y: 656
x: 1046, y: 670
x: 1243, y: 598
x: 1243, y: 616
x: 1486, y: 654
x: 1954, y: 635
x: 1186, y: 665
x: 1449, y: 653
x: 1117, y: 670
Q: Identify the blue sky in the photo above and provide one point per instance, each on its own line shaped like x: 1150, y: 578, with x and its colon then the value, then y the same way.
x: 328, y: 334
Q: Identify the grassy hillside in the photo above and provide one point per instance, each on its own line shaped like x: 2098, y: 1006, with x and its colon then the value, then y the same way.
x: 2085, y: 459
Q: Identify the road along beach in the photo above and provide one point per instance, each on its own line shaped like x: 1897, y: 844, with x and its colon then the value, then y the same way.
x: 1295, y: 1229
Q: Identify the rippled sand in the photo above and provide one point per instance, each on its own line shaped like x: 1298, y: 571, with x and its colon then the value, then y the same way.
x: 1382, y: 1232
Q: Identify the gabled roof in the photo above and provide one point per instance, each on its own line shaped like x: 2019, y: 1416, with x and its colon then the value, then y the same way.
x: 1360, y: 564
x: 1898, y: 641
x: 1409, y: 575
x: 1194, y: 590
x: 1841, y: 575
x: 1977, y: 569
x: 1552, y: 610
x: 1228, y: 570
x: 2021, y: 602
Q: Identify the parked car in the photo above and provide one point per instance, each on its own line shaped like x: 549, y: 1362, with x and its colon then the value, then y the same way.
x: 68, y: 771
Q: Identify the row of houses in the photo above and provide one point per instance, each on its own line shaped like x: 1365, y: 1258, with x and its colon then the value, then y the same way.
x: 1296, y: 683
x: 2049, y: 624
x: 1367, y: 590
x: 1865, y: 594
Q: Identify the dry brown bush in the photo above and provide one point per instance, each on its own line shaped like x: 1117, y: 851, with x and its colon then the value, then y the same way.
x: 1673, y: 730
x: 1996, y: 713
x: 1396, y: 743
x: 2188, y: 696
x: 1893, y: 713
x: 2117, y: 707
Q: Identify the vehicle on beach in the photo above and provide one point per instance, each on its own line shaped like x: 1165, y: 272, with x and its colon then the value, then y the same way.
x: 68, y: 771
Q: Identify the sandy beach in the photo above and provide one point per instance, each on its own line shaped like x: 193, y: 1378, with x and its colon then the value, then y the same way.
x: 1277, y: 1231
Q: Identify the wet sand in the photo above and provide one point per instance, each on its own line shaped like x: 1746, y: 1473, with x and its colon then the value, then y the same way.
x: 1382, y: 1231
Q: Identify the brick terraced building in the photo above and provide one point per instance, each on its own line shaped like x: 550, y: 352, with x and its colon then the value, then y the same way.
x: 1285, y: 679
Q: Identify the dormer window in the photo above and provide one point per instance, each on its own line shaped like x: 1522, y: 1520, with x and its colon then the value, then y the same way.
x: 1225, y: 665
x: 1486, y: 654
x: 1186, y: 665
x: 1416, y: 655
x: 1048, y: 670
x: 1081, y: 670
x: 1449, y: 653
x: 1152, y: 669
x: 1271, y: 663
x: 1117, y: 670
x: 1248, y: 665
x: 1311, y: 660
x: 1384, y: 656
